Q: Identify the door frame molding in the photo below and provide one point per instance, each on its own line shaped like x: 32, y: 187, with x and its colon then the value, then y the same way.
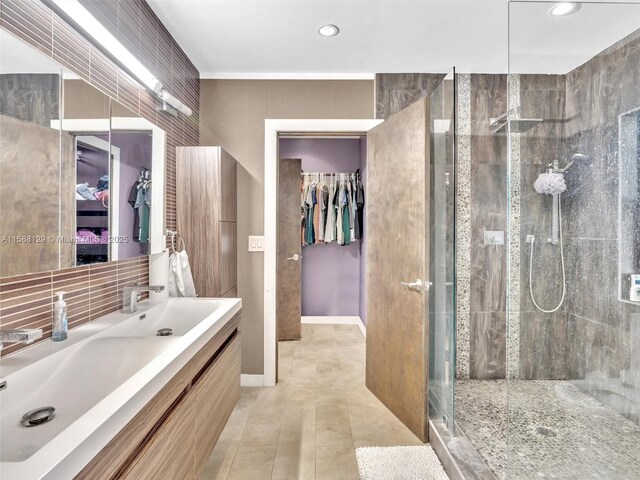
x: 272, y: 130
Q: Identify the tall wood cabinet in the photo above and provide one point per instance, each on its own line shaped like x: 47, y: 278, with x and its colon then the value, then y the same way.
x: 206, y: 183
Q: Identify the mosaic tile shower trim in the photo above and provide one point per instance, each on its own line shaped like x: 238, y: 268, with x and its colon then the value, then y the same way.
x: 463, y: 233
x: 513, y: 273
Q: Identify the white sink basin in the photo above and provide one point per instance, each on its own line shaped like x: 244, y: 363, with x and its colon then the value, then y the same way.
x: 178, y: 314
x: 98, y: 380
x: 72, y: 383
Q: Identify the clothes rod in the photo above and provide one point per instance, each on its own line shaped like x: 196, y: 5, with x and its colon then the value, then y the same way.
x: 331, y: 173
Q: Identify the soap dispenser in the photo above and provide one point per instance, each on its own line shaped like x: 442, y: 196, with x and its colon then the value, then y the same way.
x: 59, y: 328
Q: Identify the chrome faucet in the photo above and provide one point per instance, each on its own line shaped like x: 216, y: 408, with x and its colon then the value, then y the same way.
x: 130, y: 296
x: 20, y: 335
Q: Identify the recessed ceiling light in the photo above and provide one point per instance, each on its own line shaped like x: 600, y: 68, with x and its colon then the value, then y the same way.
x: 328, y: 30
x: 564, y: 8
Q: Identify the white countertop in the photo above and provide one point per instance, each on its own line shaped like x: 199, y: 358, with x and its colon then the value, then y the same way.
x: 72, y: 448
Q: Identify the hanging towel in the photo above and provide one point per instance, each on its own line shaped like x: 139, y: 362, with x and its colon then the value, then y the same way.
x: 180, y: 278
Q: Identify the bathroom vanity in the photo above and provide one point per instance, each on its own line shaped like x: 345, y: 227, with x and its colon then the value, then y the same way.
x: 129, y: 403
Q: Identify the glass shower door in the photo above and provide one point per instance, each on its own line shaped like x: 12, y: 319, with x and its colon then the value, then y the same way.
x: 442, y: 309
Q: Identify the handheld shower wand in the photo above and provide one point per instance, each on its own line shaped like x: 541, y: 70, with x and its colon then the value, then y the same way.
x: 552, y: 183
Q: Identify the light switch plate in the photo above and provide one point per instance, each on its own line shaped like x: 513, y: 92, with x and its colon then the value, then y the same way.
x: 256, y: 243
x: 493, y: 237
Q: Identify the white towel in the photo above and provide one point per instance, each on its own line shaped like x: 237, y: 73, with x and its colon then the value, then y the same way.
x: 180, y: 278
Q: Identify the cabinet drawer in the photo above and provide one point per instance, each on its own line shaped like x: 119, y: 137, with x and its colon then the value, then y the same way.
x: 170, y: 453
x: 216, y: 394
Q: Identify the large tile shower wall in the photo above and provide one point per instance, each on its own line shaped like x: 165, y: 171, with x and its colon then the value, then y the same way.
x: 542, y: 337
x: 26, y: 301
x: 595, y: 337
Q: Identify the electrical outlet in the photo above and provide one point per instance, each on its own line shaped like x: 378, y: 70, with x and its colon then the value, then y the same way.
x: 256, y: 243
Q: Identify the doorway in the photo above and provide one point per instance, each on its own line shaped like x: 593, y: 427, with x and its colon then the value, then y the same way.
x: 321, y: 269
x: 399, y: 254
x: 274, y: 129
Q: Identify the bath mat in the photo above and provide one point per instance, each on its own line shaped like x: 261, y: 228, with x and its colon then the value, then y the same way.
x: 418, y: 462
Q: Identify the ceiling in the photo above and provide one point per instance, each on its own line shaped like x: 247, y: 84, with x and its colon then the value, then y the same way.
x: 278, y: 39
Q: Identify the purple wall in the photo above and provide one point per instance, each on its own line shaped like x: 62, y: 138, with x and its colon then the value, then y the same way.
x: 331, y: 274
x: 135, y: 153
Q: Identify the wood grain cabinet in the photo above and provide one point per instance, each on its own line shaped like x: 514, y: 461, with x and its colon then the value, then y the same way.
x: 213, y: 403
x: 173, y: 436
x: 170, y: 453
x: 206, y: 184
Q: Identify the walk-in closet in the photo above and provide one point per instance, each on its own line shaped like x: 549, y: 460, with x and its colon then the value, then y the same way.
x: 321, y: 231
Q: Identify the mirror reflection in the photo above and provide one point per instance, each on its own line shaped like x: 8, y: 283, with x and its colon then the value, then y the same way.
x: 31, y: 170
x: 81, y: 176
x: 132, y: 152
x: 86, y: 121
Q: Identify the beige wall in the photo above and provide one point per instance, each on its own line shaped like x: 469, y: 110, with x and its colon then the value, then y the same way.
x: 232, y: 116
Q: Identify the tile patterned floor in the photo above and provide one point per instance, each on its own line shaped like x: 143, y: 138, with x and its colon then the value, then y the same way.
x: 592, y: 441
x: 309, y: 425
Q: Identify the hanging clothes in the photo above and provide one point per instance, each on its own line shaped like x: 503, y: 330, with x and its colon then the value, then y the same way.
x: 330, y: 227
x: 140, y: 200
x: 331, y: 208
x: 359, y: 205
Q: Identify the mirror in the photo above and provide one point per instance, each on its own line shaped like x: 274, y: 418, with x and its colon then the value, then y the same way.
x: 85, y: 120
x: 33, y: 160
x: 629, y: 207
x: 71, y: 162
x: 137, y: 152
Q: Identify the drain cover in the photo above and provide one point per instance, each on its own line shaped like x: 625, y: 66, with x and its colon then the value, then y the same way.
x: 546, y: 432
x: 38, y: 416
x: 165, y: 332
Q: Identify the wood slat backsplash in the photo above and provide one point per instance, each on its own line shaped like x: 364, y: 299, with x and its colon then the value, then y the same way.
x: 96, y: 290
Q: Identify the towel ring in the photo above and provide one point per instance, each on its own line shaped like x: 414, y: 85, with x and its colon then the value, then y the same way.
x: 173, y: 241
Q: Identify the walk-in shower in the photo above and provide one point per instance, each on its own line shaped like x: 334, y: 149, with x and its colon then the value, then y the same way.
x: 552, y: 182
x: 548, y: 337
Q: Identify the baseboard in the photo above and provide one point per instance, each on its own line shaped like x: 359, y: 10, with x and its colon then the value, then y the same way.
x: 251, y: 380
x: 337, y: 321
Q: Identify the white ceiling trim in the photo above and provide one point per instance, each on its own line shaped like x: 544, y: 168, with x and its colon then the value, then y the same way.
x: 286, y: 76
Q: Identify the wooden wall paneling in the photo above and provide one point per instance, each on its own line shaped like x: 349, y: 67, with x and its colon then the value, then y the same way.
x: 134, y: 23
x: 397, y: 330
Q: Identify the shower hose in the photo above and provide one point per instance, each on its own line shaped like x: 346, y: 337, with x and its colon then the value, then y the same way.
x: 564, y: 283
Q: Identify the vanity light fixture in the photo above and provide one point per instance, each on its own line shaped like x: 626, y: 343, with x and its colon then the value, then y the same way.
x: 328, y: 30
x: 91, y: 26
x: 174, y: 102
x: 564, y: 8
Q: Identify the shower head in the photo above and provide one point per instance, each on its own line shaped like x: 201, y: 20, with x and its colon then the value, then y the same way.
x: 576, y: 159
x: 504, y: 124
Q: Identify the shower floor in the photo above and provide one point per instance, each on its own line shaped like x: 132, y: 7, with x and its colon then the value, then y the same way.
x: 592, y: 441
